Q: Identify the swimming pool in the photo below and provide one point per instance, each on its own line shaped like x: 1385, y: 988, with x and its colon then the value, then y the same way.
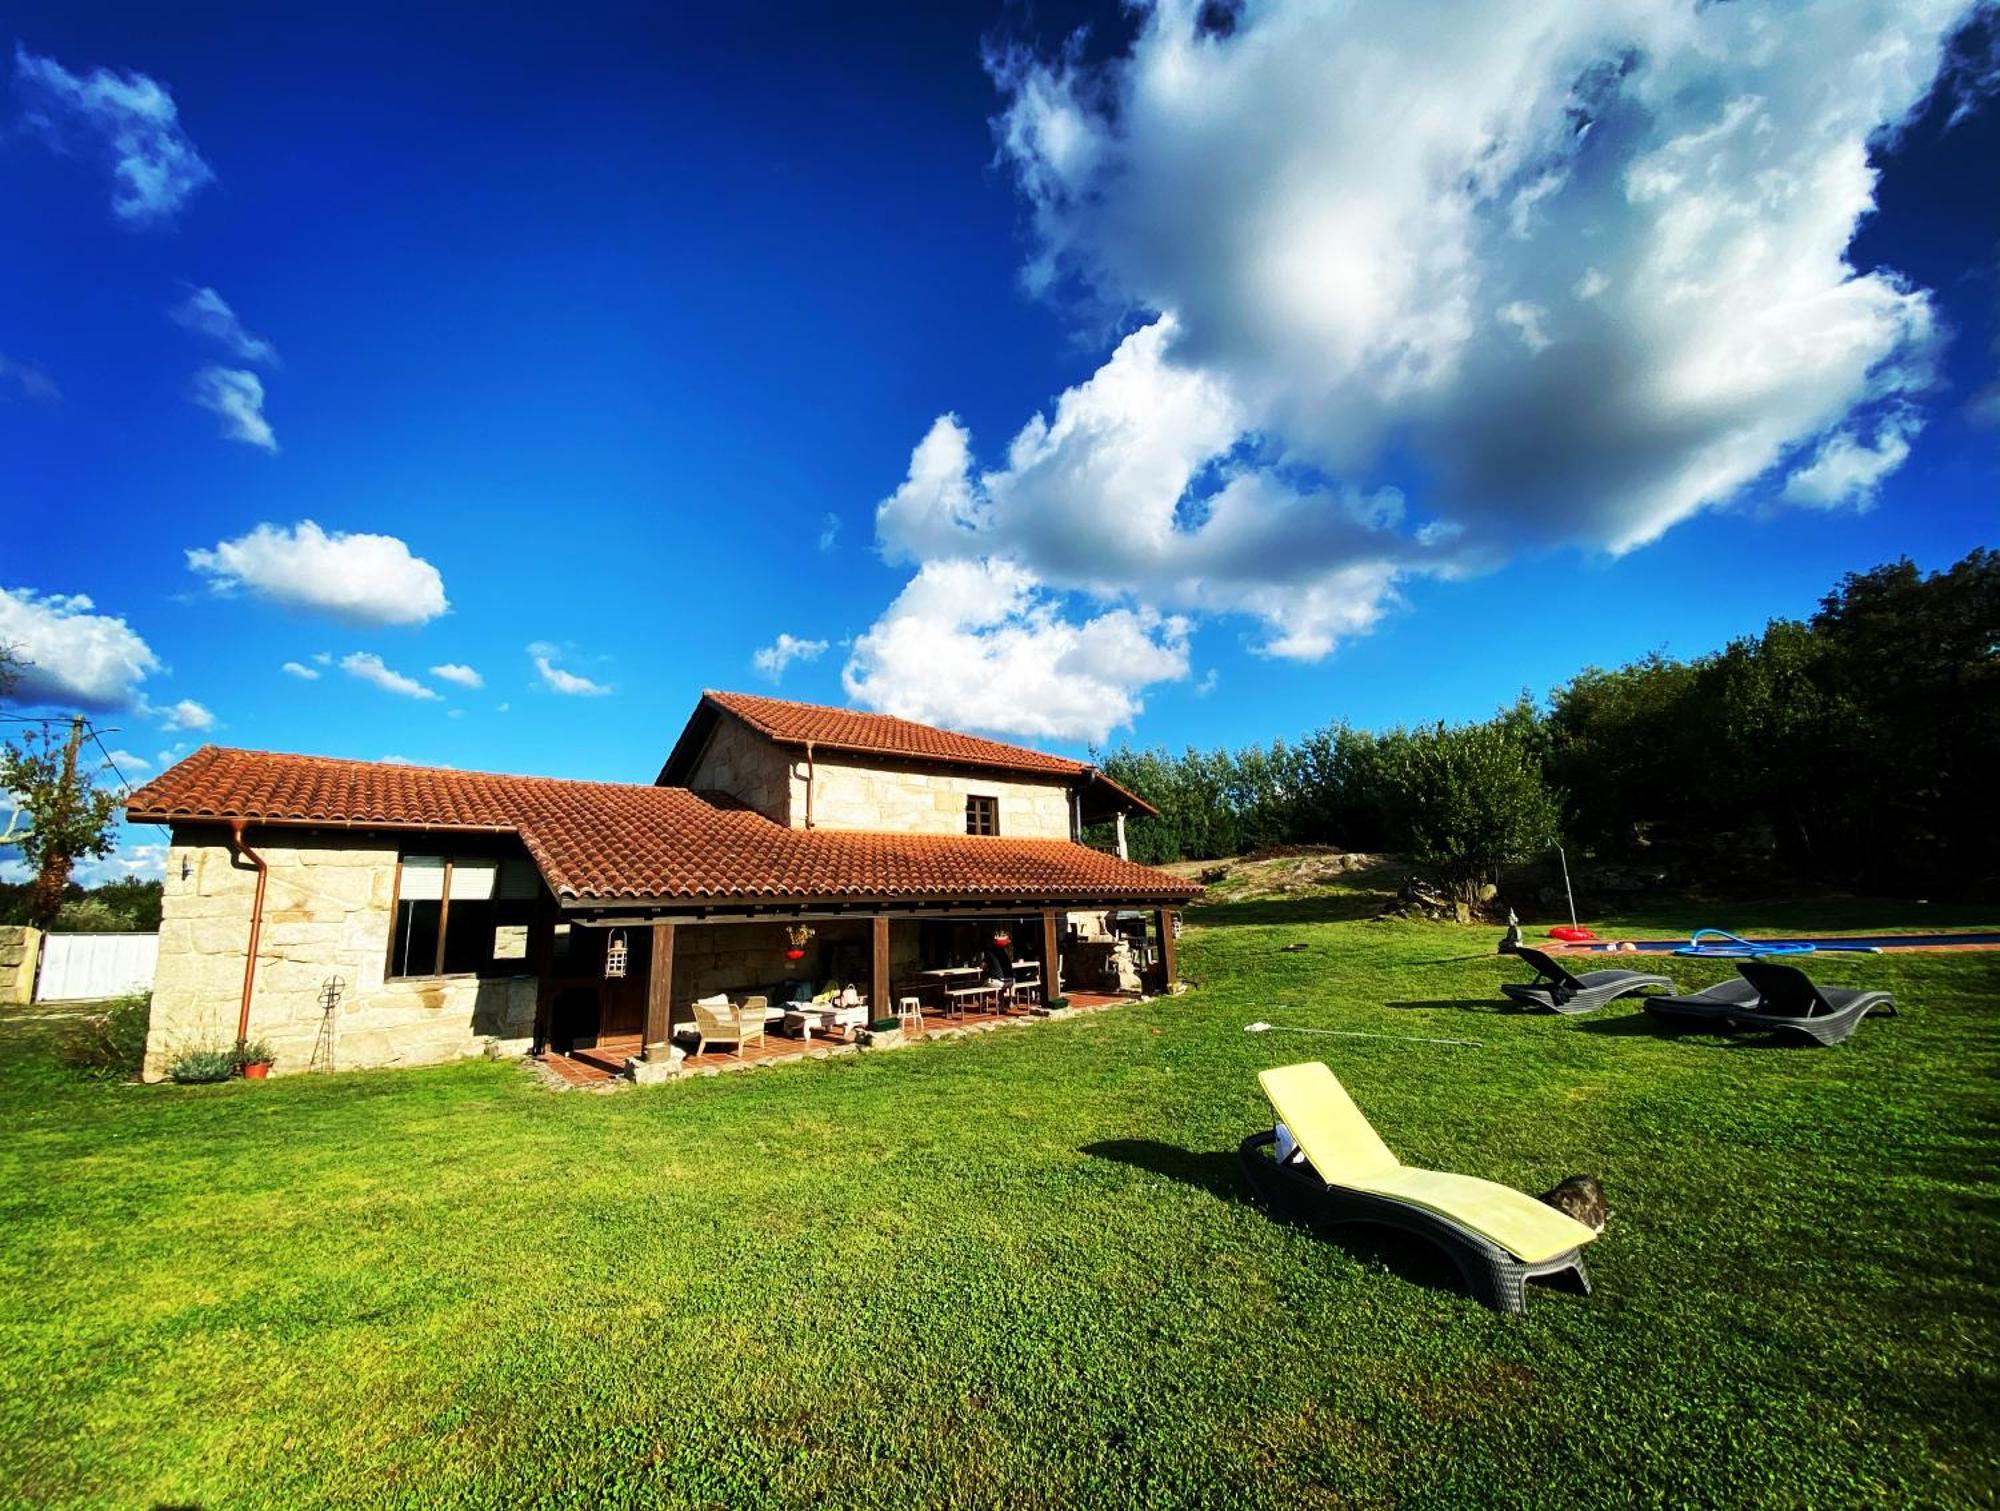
x: 1862, y: 944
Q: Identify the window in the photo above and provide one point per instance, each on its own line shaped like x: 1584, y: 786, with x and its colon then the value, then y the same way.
x: 462, y: 916
x: 982, y: 815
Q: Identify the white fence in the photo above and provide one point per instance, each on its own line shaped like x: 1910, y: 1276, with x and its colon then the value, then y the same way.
x: 78, y: 967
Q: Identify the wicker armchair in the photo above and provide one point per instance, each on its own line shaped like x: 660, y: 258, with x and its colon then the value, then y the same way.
x: 742, y: 1026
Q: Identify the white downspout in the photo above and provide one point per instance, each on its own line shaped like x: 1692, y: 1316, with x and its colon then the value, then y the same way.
x: 1122, y: 853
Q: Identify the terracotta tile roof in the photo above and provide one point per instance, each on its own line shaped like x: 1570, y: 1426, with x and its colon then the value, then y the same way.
x: 606, y: 840
x: 848, y: 730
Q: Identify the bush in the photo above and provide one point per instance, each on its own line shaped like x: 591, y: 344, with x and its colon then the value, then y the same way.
x: 197, y: 1067
x: 109, y: 1045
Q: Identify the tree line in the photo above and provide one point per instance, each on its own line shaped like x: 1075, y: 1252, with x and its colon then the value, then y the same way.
x: 1856, y: 748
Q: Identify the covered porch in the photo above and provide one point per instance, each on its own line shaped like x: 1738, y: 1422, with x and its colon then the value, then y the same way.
x: 649, y: 995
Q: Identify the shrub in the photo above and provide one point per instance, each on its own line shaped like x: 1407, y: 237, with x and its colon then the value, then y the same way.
x: 109, y: 1045
x: 196, y: 1067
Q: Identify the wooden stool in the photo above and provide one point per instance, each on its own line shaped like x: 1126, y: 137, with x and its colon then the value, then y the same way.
x: 910, y: 1014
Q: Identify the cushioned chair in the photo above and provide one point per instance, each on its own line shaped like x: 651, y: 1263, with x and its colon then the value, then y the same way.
x: 715, y: 1018
x: 1558, y: 989
x: 1325, y: 1164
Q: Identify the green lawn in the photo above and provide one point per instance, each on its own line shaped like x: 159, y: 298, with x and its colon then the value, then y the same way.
x: 1017, y: 1268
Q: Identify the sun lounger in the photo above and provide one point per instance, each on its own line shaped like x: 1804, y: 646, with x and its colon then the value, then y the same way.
x: 1561, y: 990
x: 1793, y: 1003
x: 1337, y: 1171
x: 1712, y: 1007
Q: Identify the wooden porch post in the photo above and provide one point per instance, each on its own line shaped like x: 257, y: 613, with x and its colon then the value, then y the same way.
x: 879, y: 1005
x: 1051, y: 957
x: 541, y: 943
x: 1169, y: 967
x: 660, y: 994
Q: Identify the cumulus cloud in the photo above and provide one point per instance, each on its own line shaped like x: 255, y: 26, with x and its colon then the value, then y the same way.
x: 1581, y: 270
x: 71, y: 653
x: 356, y: 578
x: 207, y: 313
x: 369, y: 667
x: 26, y: 380
x: 1847, y: 469
x: 302, y: 672
x: 126, y: 863
x: 557, y: 680
x: 980, y: 645
x: 463, y: 676
x: 186, y: 715
x: 235, y: 395
x: 127, y: 120
x: 772, y: 660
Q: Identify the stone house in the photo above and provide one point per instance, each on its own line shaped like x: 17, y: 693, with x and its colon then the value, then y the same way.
x: 354, y: 914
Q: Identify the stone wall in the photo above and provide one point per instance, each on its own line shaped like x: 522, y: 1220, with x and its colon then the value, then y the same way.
x: 20, y: 948
x: 736, y: 958
x: 326, y: 913
x: 739, y: 761
x: 915, y: 801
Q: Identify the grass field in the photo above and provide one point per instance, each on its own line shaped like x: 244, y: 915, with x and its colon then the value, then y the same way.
x: 1017, y: 1268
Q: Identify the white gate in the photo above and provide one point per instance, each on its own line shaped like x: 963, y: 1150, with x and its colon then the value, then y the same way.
x: 79, y: 967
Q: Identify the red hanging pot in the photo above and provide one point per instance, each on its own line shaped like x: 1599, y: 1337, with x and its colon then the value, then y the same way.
x: 795, y: 953
x: 1002, y: 940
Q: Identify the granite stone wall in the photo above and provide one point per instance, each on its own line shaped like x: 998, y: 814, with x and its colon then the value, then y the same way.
x: 739, y: 761
x: 929, y: 802
x: 20, y: 948
x: 326, y: 914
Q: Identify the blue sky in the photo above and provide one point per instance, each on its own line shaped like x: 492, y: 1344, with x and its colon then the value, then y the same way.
x: 615, y: 333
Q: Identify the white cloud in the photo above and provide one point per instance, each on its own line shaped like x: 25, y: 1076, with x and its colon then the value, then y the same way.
x: 207, y: 313
x: 72, y: 653
x: 129, y: 762
x: 829, y: 530
x: 186, y: 715
x: 303, y: 673
x: 27, y: 380
x: 236, y: 396
x: 403, y: 760
x: 555, y: 679
x: 370, y: 669
x: 772, y: 660
x: 979, y: 645
x: 126, y: 863
x: 1133, y: 487
x: 129, y: 120
x: 464, y: 676
x: 360, y: 579
x: 1583, y: 269
x: 1846, y: 470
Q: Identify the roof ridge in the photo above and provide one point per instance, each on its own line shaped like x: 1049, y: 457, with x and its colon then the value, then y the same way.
x: 413, y: 766
x: 728, y: 699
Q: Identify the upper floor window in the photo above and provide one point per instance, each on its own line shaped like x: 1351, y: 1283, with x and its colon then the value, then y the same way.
x: 982, y: 815
x: 462, y: 916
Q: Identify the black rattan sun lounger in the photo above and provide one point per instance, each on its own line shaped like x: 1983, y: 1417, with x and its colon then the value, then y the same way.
x: 1341, y: 1173
x: 1557, y: 989
x: 1793, y: 1003
x: 1712, y: 1007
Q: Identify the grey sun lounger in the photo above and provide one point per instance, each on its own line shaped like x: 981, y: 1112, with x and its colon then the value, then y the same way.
x: 1712, y: 1007
x: 1340, y: 1173
x: 1791, y: 1002
x: 1557, y: 989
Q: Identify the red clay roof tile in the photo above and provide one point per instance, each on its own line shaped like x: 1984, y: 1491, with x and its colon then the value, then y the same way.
x: 607, y: 840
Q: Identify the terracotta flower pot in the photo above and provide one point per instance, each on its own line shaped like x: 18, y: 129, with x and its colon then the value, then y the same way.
x: 256, y: 1070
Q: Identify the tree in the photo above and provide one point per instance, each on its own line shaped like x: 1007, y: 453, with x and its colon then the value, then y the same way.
x: 71, y: 817
x: 1471, y: 800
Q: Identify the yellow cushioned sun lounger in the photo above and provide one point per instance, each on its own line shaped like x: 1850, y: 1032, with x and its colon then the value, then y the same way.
x: 1344, y: 1173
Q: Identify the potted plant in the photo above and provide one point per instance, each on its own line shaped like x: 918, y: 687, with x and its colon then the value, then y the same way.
x: 1002, y: 939
x: 254, y: 1059
x: 795, y: 941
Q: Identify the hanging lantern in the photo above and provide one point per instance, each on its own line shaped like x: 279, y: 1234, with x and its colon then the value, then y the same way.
x: 796, y: 936
x: 616, y: 952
